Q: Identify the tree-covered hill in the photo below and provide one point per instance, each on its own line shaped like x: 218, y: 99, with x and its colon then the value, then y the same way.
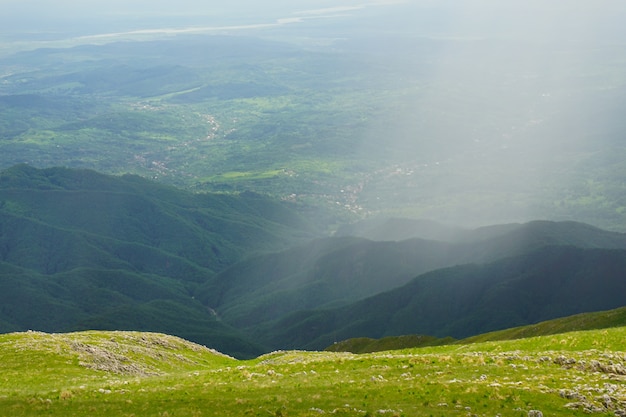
x: 245, y: 274
x: 83, y: 250
x: 578, y: 322
x: 542, y: 232
x: 336, y: 271
x: 461, y: 301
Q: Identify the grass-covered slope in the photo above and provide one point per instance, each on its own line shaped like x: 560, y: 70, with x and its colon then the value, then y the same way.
x: 82, y: 250
x: 461, y: 301
x: 122, y: 374
x: 369, y: 345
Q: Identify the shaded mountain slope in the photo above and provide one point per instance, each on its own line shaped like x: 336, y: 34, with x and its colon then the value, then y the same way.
x: 565, y: 232
x: 465, y: 300
x: 542, y: 233
x: 336, y: 271
x: 82, y: 250
x: 212, y: 230
x: 578, y: 322
x: 584, y: 321
x: 325, y: 272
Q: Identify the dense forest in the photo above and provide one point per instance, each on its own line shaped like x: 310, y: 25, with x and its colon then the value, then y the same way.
x: 246, y: 274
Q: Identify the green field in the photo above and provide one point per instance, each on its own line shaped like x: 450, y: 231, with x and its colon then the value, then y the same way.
x: 147, y: 374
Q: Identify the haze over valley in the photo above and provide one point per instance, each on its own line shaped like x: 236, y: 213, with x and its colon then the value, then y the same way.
x: 442, y: 112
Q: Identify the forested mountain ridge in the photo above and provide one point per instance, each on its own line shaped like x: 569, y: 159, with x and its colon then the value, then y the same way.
x: 464, y: 300
x: 568, y: 232
x: 212, y: 230
x: 84, y: 250
x: 340, y: 270
x: 245, y: 274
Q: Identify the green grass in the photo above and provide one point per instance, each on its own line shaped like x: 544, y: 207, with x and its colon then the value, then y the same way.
x: 146, y: 374
x: 369, y: 345
x: 239, y: 175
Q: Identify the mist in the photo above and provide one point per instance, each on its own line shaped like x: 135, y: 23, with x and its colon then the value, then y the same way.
x: 515, y: 114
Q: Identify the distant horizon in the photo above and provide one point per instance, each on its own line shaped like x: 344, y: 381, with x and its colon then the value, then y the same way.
x: 39, y: 20
x: 42, y: 26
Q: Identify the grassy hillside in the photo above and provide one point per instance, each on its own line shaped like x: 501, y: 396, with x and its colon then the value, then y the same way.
x: 369, y: 345
x: 141, y: 374
x: 82, y: 250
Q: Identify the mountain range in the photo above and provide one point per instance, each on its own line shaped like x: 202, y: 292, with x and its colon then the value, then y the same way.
x: 83, y: 250
x: 461, y: 301
x: 246, y: 274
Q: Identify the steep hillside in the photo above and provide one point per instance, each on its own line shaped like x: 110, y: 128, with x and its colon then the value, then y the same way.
x: 466, y: 300
x: 336, y: 271
x: 242, y: 273
x: 577, y: 322
x: 82, y: 250
x: 324, y: 272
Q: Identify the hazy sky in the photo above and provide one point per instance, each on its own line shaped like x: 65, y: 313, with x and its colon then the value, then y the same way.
x: 99, y: 16
x: 535, y: 18
x: 112, y: 8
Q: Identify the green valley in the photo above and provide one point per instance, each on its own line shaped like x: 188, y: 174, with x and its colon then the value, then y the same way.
x: 352, y: 127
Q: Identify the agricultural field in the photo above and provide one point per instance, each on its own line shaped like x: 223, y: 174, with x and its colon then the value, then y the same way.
x: 148, y: 374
